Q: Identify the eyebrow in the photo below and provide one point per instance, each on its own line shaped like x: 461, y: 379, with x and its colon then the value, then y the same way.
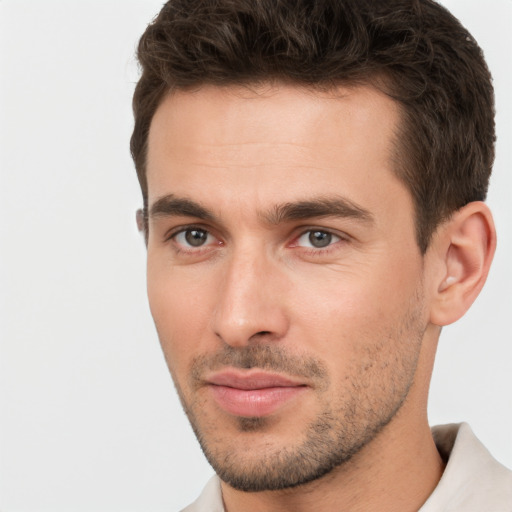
x: 170, y: 205
x: 332, y: 206
x: 336, y: 206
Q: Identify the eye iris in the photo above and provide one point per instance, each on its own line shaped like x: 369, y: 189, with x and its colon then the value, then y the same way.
x: 195, y: 237
x: 320, y: 238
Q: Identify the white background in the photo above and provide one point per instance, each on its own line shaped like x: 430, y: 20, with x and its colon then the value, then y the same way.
x: 89, y: 420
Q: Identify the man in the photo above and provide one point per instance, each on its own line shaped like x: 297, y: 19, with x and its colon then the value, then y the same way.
x: 313, y: 176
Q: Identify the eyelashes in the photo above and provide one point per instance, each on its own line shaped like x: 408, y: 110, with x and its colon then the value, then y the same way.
x: 196, y: 240
x: 193, y: 237
x: 317, y: 239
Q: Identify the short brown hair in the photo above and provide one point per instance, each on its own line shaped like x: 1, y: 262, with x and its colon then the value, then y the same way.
x: 414, y: 50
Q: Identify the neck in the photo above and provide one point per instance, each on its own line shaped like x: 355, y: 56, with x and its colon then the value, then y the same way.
x: 398, y: 470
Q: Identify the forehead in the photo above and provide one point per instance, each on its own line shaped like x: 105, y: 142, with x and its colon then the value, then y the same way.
x: 271, y: 141
x: 251, y: 115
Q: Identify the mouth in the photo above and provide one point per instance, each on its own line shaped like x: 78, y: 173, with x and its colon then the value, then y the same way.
x: 252, y: 393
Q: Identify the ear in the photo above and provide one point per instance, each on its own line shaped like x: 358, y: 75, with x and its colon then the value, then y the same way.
x: 464, y: 248
x: 139, y: 217
x: 142, y: 224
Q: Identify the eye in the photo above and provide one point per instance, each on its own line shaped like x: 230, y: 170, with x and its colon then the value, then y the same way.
x: 193, y: 237
x: 316, y: 238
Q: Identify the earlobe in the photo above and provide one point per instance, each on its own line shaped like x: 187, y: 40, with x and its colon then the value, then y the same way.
x: 465, y: 247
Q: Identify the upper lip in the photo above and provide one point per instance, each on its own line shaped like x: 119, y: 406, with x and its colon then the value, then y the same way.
x: 250, y: 379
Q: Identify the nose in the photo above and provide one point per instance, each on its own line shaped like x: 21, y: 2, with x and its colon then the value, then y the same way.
x: 251, y: 304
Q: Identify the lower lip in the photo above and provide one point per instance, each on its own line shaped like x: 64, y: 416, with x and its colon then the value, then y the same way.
x: 254, y: 402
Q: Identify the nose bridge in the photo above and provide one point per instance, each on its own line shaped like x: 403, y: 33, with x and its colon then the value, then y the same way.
x: 249, y: 303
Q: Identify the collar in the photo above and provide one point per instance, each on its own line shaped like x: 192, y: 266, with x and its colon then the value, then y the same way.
x: 473, y: 481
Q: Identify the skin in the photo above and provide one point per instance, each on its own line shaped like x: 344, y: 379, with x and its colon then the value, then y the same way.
x: 355, y: 323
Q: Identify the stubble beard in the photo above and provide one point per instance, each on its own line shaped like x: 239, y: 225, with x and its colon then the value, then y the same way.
x: 338, y: 432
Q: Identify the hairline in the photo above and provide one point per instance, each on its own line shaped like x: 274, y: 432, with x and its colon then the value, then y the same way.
x: 381, y: 81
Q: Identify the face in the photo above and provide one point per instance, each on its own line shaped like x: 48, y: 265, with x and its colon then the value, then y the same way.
x: 283, y: 275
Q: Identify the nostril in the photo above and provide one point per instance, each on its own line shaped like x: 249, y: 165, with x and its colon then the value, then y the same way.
x: 261, y: 336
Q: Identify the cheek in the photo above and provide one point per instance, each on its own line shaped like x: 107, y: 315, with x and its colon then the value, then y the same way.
x: 347, y: 311
x: 179, y: 310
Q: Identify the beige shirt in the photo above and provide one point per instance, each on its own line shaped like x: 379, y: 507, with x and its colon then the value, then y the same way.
x: 472, y: 482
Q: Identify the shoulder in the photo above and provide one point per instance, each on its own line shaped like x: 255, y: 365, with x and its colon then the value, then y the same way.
x: 210, y: 499
x: 473, y: 480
